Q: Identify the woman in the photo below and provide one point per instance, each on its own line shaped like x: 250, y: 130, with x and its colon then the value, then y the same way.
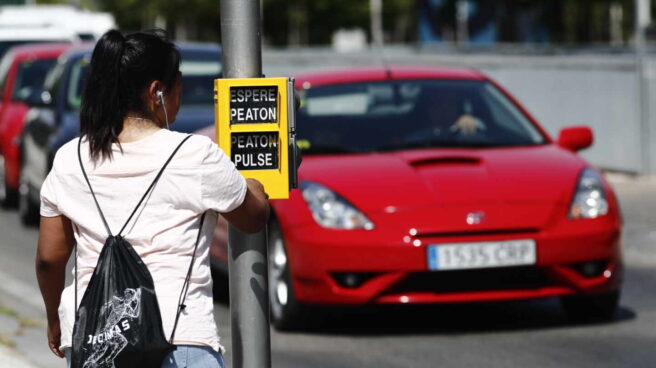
x: 132, y: 94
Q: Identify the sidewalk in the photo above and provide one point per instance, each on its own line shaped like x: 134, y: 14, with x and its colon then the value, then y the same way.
x: 14, y: 329
x: 22, y: 328
x: 12, y: 358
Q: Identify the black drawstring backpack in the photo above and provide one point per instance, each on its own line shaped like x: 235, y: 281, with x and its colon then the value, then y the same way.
x: 118, y: 323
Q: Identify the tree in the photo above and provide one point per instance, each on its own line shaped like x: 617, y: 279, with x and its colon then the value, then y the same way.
x: 198, y: 19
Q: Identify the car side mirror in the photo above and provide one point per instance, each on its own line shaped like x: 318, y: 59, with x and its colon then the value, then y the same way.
x: 575, y: 138
x: 39, y: 98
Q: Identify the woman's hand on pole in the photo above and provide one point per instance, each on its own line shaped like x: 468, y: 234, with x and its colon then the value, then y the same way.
x: 254, y: 212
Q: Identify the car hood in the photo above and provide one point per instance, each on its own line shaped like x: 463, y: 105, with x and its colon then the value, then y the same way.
x: 535, y: 178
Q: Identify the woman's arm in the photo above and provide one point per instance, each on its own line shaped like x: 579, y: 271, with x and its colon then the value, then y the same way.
x: 253, y: 213
x: 54, y: 248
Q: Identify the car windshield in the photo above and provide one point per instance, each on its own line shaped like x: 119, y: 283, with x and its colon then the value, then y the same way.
x: 407, y: 114
x: 31, y: 75
x: 198, y: 73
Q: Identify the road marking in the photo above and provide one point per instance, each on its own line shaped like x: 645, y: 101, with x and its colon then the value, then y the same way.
x: 21, y: 290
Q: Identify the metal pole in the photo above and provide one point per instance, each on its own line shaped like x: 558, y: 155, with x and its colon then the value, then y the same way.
x: 376, y: 15
x: 642, y: 20
x: 241, y: 38
x: 462, y: 16
x: 616, y: 18
x: 247, y: 253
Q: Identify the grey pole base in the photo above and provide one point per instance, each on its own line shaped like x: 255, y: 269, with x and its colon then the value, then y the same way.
x: 249, y: 299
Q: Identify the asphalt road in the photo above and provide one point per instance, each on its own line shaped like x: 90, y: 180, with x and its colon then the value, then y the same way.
x: 528, y: 334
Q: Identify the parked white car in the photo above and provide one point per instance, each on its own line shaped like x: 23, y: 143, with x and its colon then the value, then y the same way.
x: 14, y: 36
x: 85, y: 25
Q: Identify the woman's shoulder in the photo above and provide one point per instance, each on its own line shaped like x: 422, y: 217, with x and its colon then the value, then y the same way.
x: 66, y: 154
x: 196, y: 149
x: 70, y: 147
x: 197, y: 140
x: 197, y: 143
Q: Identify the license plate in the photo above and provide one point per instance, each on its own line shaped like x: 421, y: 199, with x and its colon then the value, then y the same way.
x: 459, y: 256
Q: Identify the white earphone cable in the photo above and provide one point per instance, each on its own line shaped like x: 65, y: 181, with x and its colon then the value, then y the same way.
x: 160, y: 94
x: 166, y: 117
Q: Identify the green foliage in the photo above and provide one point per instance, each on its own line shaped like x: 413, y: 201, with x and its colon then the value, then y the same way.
x: 299, y: 22
x: 199, y: 16
x: 313, y: 22
x: 129, y: 14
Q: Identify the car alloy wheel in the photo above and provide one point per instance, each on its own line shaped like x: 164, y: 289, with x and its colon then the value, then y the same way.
x: 286, y: 312
x: 3, y: 181
x: 279, y: 287
x: 27, y: 211
x: 8, y: 196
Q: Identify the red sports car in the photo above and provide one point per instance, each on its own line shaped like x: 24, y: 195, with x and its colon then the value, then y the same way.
x: 434, y: 185
x: 22, y: 69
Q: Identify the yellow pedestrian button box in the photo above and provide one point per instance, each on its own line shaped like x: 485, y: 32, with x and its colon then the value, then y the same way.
x: 255, y: 127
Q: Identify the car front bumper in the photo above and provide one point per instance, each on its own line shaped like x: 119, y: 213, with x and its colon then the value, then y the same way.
x: 382, y: 266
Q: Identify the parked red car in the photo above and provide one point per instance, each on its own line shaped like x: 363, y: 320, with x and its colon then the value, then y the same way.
x: 22, y: 69
x: 434, y: 185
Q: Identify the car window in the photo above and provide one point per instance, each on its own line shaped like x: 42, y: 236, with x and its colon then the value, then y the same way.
x: 54, y: 78
x: 77, y: 79
x: 362, y: 99
x: 198, y: 74
x: 5, y: 65
x: 506, y: 114
x: 405, y: 114
x: 86, y: 36
x: 30, y: 75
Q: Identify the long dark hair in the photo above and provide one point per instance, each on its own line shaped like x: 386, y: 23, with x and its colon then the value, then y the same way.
x: 121, y: 68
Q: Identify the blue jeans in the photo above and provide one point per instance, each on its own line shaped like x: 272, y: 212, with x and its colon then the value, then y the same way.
x: 185, y: 356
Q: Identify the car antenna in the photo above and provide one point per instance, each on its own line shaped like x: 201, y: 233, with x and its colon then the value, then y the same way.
x: 386, y: 66
x: 388, y: 70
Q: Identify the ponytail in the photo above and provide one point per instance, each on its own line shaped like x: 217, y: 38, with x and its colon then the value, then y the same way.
x: 101, y: 116
x: 121, y: 68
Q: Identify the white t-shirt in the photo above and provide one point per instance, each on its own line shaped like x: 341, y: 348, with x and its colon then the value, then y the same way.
x: 200, y: 178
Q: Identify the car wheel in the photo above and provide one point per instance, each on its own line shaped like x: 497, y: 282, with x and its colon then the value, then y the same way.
x: 28, y: 211
x: 600, y: 307
x: 220, y: 286
x: 286, y: 312
x: 7, y: 195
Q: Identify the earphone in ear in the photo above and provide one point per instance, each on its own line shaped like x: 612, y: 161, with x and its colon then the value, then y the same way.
x: 160, y: 95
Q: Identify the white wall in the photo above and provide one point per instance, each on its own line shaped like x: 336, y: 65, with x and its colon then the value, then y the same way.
x: 600, y: 91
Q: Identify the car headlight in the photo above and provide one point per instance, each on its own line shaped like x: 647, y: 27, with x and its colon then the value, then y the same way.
x: 330, y: 210
x: 590, y: 198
